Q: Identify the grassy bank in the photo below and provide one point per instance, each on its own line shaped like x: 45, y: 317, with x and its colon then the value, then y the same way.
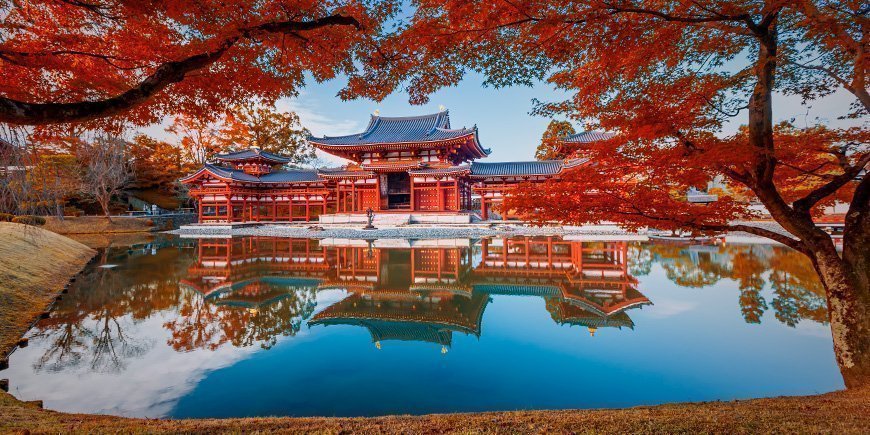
x: 97, y: 225
x: 34, y: 266
x: 35, y: 263
x: 840, y: 412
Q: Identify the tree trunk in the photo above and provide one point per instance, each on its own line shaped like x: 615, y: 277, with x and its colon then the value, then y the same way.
x: 105, y: 206
x: 849, y: 313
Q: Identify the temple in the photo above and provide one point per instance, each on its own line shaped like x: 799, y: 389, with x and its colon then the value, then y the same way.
x: 414, y: 165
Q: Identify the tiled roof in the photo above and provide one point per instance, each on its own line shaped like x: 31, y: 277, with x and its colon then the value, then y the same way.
x: 588, y: 136
x: 280, y: 176
x: 342, y: 172
x: 250, y: 154
x: 441, y: 171
x: 536, y: 167
x: 381, y: 129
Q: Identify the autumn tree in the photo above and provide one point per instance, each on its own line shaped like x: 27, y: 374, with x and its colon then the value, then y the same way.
x: 552, y: 144
x: 252, y: 124
x: 106, y: 170
x: 77, y: 61
x: 199, y: 139
x: 668, y: 76
x: 155, y: 164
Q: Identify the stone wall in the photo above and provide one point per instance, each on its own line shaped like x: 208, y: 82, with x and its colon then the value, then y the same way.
x: 172, y: 221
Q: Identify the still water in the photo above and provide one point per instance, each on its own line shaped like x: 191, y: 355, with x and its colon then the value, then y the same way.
x: 276, y: 326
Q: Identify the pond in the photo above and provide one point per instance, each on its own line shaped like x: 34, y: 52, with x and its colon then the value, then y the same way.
x: 263, y: 326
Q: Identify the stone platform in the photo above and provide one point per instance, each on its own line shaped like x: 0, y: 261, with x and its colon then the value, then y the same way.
x: 396, y: 219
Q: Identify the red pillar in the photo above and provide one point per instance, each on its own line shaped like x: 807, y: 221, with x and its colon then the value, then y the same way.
x: 457, y: 194
x: 413, y: 205
x: 440, y: 195
x: 483, y: 212
x: 274, y: 208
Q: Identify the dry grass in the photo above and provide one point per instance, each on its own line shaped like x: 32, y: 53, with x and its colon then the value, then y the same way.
x: 97, y: 225
x: 27, y: 285
x: 34, y: 266
x: 840, y: 413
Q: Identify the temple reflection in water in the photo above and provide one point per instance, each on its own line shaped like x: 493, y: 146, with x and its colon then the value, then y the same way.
x: 423, y: 290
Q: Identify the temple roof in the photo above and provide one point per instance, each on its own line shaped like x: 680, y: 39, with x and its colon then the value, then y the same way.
x: 450, y: 170
x: 407, y: 130
x: 534, y: 167
x: 588, y: 136
x: 345, y: 173
x: 252, y: 154
x: 382, y: 129
x: 277, y: 176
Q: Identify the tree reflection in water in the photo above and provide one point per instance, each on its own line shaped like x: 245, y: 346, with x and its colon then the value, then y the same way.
x: 251, y: 291
x: 798, y: 294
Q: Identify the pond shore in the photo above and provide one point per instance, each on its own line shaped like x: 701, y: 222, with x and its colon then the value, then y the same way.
x: 60, y: 258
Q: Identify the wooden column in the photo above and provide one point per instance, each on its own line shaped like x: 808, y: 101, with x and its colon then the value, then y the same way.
x: 199, y: 207
x: 440, y: 194
x: 483, y: 212
x: 413, y: 205
x: 457, y: 193
x: 353, y: 196
x: 229, y: 208
x: 274, y: 208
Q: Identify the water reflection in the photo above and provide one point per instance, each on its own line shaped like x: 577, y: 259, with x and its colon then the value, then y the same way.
x: 229, y: 294
x: 798, y: 294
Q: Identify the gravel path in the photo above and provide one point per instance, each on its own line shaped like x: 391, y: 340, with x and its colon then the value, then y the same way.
x: 419, y: 231
x: 409, y: 232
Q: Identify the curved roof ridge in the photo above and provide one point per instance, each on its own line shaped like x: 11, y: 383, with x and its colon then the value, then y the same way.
x: 413, y: 117
x: 373, y: 124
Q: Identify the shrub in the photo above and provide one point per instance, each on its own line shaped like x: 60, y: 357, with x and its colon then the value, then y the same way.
x: 6, y: 217
x: 29, y: 220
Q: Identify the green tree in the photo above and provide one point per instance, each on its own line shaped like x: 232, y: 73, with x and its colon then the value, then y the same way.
x: 552, y: 146
x: 252, y: 124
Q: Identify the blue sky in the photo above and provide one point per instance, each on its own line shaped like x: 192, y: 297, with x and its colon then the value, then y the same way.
x: 502, y: 115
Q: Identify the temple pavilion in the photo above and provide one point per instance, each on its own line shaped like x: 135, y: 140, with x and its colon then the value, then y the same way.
x: 415, y: 165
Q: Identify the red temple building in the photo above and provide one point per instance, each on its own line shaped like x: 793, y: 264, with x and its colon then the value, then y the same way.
x: 417, y: 164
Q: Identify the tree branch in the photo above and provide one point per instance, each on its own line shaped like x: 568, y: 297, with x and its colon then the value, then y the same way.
x: 804, y: 204
x: 24, y: 113
x: 758, y: 231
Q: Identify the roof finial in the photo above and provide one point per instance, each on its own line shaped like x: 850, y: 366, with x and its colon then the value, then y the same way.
x: 441, y: 108
x: 377, y: 112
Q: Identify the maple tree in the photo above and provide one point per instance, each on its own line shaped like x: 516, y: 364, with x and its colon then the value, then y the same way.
x: 552, y: 141
x: 667, y: 76
x: 77, y: 61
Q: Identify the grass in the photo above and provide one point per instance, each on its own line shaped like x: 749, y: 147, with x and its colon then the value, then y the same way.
x: 97, y: 225
x: 841, y: 412
x: 27, y: 286
x: 34, y: 266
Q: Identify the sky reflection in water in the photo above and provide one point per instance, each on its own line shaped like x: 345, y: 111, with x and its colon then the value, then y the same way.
x: 272, y: 326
